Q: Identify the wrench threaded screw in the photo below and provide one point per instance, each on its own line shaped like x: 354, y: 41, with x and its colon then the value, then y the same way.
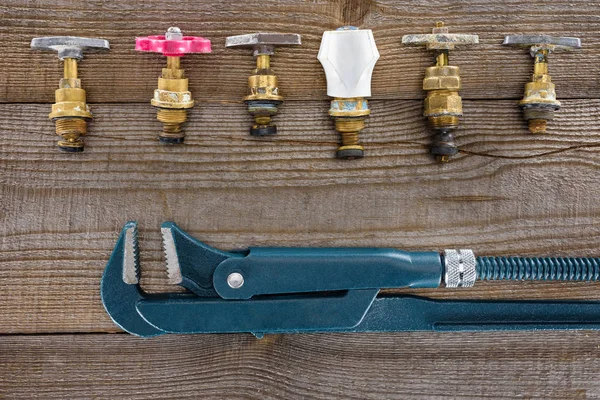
x: 538, y: 268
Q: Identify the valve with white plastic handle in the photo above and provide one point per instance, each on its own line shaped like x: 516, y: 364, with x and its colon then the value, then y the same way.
x: 348, y: 56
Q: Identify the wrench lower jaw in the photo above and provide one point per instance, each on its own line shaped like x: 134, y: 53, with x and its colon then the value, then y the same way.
x: 270, y: 314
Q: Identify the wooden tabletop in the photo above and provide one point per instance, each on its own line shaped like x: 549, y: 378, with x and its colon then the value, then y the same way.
x: 506, y: 193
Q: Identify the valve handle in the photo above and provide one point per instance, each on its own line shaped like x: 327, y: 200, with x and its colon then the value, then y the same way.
x: 542, y: 42
x: 173, y: 44
x: 348, y: 56
x: 440, y: 39
x: 69, y: 46
x: 263, y: 43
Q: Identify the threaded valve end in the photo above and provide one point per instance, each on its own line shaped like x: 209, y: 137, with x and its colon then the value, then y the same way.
x: 71, y: 130
x: 172, y: 120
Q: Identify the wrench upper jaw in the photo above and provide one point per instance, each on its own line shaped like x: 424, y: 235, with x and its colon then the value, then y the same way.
x: 190, y: 263
x: 120, y: 289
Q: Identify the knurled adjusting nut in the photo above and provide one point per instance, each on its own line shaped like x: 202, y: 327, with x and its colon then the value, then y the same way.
x: 460, y: 268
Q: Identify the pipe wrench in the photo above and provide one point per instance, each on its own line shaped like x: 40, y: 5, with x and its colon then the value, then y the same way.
x: 291, y: 290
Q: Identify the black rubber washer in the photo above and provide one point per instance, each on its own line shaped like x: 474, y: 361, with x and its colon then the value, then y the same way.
x: 168, y: 140
x: 69, y: 149
x: 264, y: 130
x: 350, y: 154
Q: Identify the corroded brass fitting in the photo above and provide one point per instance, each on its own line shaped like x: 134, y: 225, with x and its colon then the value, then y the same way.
x: 539, y: 102
x: 443, y: 104
x: 172, y: 97
x: 349, y: 116
x: 70, y: 112
x: 348, y: 56
x: 264, y: 97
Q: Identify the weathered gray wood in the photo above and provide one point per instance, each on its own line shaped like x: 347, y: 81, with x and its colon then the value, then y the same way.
x: 545, y: 365
x: 490, y: 71
x: 507, y: 193
x: 61, y: 213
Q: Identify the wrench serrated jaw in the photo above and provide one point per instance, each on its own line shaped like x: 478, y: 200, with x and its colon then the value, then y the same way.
x: 173, y: 268
x: 131, y: 260
x: 120, y: 290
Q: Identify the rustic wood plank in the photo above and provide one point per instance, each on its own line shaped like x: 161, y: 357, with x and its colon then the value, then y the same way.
x: 61, y: 213
x: 560, y: 365
x: 490, y: 71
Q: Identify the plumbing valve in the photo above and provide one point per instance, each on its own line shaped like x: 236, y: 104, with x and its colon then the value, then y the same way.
x: 539, y: 102
x: 172, y: 97
x: 348, y: 56
x: 443, y: 105
x: 264, y: 97
x: 70, y: 112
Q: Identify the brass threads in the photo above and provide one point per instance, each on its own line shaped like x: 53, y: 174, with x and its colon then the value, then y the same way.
x: 172, y: 120
x: 345, y: 125
x: 537, y: 126
x: 71, y: 130
x: 444, y: 122
x: 349, y: 116
x: 350, y: 139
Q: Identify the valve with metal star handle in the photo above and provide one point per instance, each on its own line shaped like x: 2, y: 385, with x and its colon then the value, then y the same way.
x: 290, y: 290
x: 70, y: 112
x: 539, y: 102
x: 264, y: 97
x: 443, y: 104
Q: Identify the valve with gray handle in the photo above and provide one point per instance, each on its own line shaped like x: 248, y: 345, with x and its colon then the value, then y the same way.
x: 70, y: 112
x: 264, y: 96
x: 290, y: 290
x: 539, y: 102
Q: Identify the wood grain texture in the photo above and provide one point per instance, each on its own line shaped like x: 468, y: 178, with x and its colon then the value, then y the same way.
x: 540, y: 365
x: 60, y: 217
x: 489, y: 70
x: 507, y: 192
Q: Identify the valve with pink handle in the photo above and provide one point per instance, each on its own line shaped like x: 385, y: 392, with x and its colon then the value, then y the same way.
x: 172, y: 97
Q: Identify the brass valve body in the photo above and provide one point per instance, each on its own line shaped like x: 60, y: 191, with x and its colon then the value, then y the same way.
x: 539, y: 102
x: 70, y: 112
x: 264, y: 97
x: 349, y: 116
x: 172, y: 98
x: 443, y: 106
